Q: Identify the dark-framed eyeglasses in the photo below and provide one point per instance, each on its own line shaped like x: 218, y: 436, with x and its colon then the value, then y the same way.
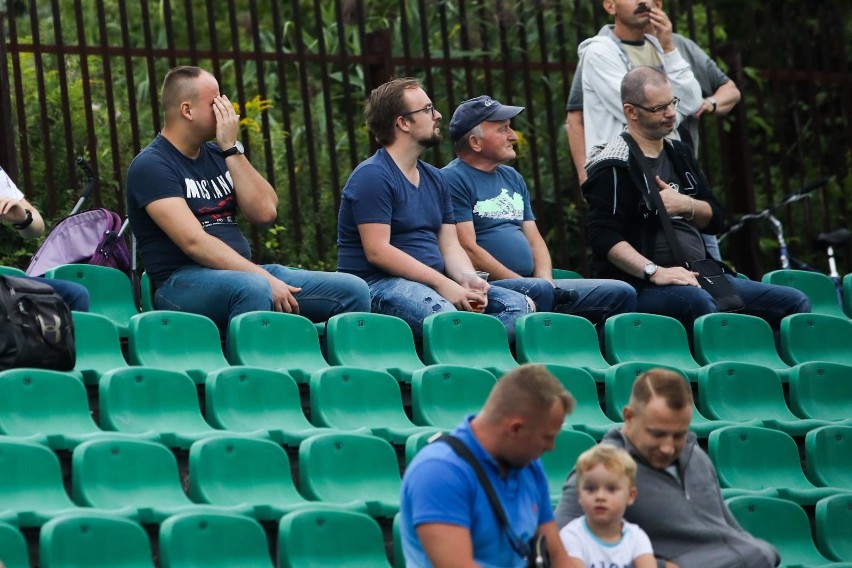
x: 430, y: 108
x: 658, y: 108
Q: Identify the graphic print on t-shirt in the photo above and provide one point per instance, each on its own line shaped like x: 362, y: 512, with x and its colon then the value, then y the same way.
x: 504, y: 206
x: 212, y: 200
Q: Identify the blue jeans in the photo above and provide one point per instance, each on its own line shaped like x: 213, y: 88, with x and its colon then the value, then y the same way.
x: 413, y: 302
x: 73, y: 294
x: 223, y: 294
x: 685, y: 303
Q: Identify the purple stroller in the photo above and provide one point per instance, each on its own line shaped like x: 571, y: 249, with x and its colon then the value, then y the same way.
x: 90, y: 237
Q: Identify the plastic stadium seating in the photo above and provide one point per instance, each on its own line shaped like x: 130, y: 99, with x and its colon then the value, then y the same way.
x: 133, y: 474
x: 236, y: 471
x: 349, y: 398
x: 13, y: 546
x: 847, y: 295
x: 350, y: 469
x: 828, y: 455
x: 751, y: 460
x: 147, y: 400
x: 251, y: 399
x: 178, y: 341
x: 417, y: 442
x: 560, y: 461
x: 91, y: 539
x: 560, y: 339
x: 277, y: 341
x: 649, y: 338
x: 816, y: 337
x: 213, y: 540
x: 98, y: 346
x: 833, y: 517
x: 737, y: 337
x: 619, y: 384
x: 328, y: 539
x: 467, y: 338
x: 146, y: 292
x: 31, y: 488
x: 563, y: 274
x: 818, y: 287
x: 398, y: 554
x: 822, y: 390
x: 110, y: 291
x: 11, y: 271
x: 442, y: 395
x: 372, y: 341
x: 48, y: 407
x: 740, y: 392
x: 783, y: 524
x: 587, y: 416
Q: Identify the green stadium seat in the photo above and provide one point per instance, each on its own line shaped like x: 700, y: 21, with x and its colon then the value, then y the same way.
x: 847, y: 295
x: 816, y: 337
x: 743, y: 338
x: 398, y: 554
x: 133, y: 474
x: 98, y: 346
x: 587, y: 416
x: 442, y: 395
x: 13, y: 545
x: 783, y: 524
x: 31, y: 486
x: 372, y: 341
x: 11, y: 271
x: 649, y: 338
x: 49, y: 407
x: 146, y: 289
x: 178, y: 341
x: 467, y: 338
x: 818, y: 287
x: 349, y: 398
x: 560, y: 339
x: 148, y: 400
x: 619, y: 381
x: 213, y: 540
x: 561, y: 460
x: 252, y: 399
x: 828, y: 455
x: 232, y: 471
x: 833, y: 517
x: 742, y: 392
x: 822, y: 390
x: 91, y: 539
x: 110, y: 291
x: 563, y: 274
x: 351, y: 469
x: 751, y: 460
x: 326, y: 538
x: 417, y: 442
x: 277, y: 341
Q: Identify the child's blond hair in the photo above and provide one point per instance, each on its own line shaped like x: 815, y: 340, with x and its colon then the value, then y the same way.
x: 613, y: 458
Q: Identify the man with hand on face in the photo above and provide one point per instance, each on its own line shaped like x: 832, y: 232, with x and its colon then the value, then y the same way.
x: 396, y: 227
x: 183, y: 194
x: 678, y: 503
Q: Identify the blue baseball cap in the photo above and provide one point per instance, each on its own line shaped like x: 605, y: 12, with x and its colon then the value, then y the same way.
x: 477, y: 110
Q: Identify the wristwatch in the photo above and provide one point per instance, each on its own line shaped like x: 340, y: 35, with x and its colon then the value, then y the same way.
x: 712, y: 101
x: 26, y: 222
x: 649, y: 270
x: 236, y: 149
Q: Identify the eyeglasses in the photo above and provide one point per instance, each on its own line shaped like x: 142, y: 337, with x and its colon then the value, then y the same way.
x: 430, y: 108
x: 659, y: 108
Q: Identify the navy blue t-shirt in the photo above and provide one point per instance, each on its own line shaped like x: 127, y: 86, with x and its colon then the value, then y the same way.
x: 498, y: 203
x: 161, y: 171
x: 378, y: 192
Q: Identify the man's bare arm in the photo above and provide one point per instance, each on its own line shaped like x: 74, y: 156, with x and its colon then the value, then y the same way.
x: 446, y: 546
x: 575, y: 130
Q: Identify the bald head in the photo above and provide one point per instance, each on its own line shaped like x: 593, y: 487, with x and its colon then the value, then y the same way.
x: 634, y: 82
x: 665, y: 384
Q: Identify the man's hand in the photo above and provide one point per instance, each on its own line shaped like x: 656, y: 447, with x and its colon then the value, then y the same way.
x: 460, y: 297
x: 661, y: 27
x: 676, y: 275
x: 227, y: 122
x: 706, y: 108
x: 671, y: 564
x: 676, y: 203
x: 283, y: 299
x: 12, y: 211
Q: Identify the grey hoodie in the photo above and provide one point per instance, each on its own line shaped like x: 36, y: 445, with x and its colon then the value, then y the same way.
x: 688, y: 522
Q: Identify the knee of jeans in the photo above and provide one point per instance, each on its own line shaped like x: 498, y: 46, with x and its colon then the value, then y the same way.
x: 358, y: 298
x: 255, y: 287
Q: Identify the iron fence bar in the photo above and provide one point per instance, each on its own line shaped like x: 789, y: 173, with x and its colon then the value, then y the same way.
x: 46, y: 153
x: 129, y: 79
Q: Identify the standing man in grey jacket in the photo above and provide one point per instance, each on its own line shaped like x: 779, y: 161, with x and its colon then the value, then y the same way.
x: 679, y: 503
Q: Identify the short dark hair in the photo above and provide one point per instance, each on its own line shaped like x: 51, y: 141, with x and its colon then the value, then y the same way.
x: 663, y: 383
x: 176, y: 85
x: 634, y: 82
x: 385, y: 103
x: 529, y: 390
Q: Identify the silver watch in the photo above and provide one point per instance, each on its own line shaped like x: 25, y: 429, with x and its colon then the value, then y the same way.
x: 649, y: 270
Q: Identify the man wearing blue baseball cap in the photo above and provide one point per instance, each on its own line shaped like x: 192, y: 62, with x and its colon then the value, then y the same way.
x: 494, y: 220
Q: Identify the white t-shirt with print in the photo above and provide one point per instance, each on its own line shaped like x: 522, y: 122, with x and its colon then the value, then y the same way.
x: 581, y: 542
x: 8, y: 187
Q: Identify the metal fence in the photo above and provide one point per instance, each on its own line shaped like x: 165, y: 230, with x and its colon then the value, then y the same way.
x: 81, y: 77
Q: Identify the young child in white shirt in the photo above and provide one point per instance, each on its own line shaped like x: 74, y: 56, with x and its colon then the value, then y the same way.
x: 601, y: 538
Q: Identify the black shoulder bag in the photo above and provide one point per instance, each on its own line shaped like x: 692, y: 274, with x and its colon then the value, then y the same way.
x: 711, y: 275
x: 535, y: 551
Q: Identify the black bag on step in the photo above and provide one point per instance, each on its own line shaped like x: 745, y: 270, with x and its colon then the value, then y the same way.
x: 36, y: 329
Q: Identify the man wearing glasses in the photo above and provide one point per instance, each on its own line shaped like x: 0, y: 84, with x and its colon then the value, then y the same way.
x: 396, y: 228
x: 623, y: 224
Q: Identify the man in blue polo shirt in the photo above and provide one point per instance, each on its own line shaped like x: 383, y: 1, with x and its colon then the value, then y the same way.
x: 446, y: 516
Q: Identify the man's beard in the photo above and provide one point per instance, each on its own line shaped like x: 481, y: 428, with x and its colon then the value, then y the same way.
x: 432, y: 141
